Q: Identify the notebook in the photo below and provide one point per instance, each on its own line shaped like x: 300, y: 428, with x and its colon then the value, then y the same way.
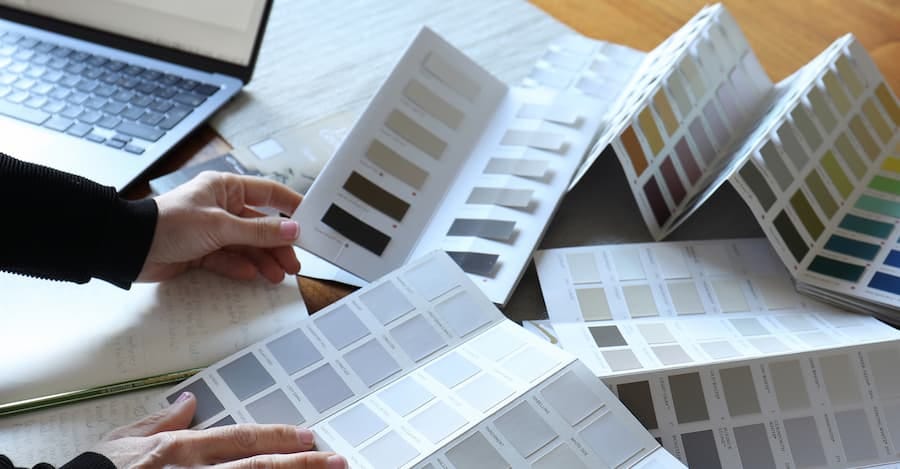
x: 420, y: 369
x: 105, y: 88
x: 447, y: 157
x: 815, y: 156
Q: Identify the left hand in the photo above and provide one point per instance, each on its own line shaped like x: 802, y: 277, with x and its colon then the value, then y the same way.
x: 208, y: 223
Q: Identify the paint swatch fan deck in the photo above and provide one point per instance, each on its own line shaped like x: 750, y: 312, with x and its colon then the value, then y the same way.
x: 447, y: 157
x: 420, y: 369
x: 816, y: 157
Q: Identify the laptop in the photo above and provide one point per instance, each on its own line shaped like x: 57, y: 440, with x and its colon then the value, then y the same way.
x: 104, y: 88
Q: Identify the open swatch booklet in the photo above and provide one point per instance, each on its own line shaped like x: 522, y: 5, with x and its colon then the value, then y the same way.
x: 420, y: 369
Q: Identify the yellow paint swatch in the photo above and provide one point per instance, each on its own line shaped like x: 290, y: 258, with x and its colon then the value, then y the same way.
x: 664, y: 109
x: 836, y: 174
x: 851, y: 156
x: 848, y: 74
x: 651, y: 131
x: 891, y: 164
x: 834, y: 89
x: 889, y: 103
x: 859, y: 130
x: 873, y: 115
x: 807, y: 215
x: 635, y: 152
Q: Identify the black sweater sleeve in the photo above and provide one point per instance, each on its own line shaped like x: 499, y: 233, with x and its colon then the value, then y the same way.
x: 87, y: 460
x: 64, y: 227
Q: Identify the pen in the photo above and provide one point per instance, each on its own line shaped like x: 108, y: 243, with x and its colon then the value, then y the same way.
x: 69, y: 397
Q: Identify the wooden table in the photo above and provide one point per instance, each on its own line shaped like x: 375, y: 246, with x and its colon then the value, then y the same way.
x: 784, y: 35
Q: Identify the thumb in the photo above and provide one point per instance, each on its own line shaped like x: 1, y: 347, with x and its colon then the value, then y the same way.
x: 262, y: 232
x: 177, y: 416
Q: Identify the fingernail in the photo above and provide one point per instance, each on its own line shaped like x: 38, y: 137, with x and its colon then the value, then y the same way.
x: 336, y: 462
x: 289, y: 230
x: 183, y: 397
x: 306, y: 437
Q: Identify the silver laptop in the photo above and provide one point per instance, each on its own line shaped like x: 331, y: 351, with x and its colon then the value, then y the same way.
x: 104, y: 88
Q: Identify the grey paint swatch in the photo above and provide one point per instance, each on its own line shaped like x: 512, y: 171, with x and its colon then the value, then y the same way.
x: 324, y: 388
x: 207, y: 402
x: 790, y: 389
x: 491, y: 229
x: 607, y: 336
x: 398, y: 166
x: 637, y: 398
x: 475, y: 451
x: 573, y: 407
x: 433, y: 105
x: 688, y: 397
x: 806, y: 446
x: 516, y: 198
x: 376, y: 197
x: 386, y: 302
x: 740, y: 392
x: 294, y: 351
x: 275, y: 407
x: 245, y: 376
x: 358, y: 424
x: 477, y: 263
x: 415, y: 134
x: 856, y: 435
x: 462, y: 314
x: 371, y: 362
x: 454, y: 79
x: 517, y: 167
x: 525, y: 429
x: 391, y: 450
x: 418, y: 338
x: 340, y: 326
x: 753, y: 446
x: 700, y: 449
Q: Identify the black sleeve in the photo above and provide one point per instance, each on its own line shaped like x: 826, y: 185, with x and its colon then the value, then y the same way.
x: 64, y: 227
x: 86, y: 460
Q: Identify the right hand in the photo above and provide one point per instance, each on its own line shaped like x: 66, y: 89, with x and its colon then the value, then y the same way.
x: 162, y: 440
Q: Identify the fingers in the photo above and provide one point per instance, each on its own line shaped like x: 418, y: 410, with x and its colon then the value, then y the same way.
x: 177, y: 416
x: 263, y: 232
x: 286, y: 258
x: 234, y: 442
x: 230, y: 264
x: 311, y: 460
x: 263, y: 192
x: 265, y: 263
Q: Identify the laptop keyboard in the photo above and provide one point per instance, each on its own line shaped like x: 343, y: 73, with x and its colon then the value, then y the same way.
x: 104, y: 101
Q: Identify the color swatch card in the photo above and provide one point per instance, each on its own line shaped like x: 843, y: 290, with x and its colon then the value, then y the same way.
x: 822, y: 177
x: 447, y: 157
x: 420, y: 369
x: 673, y: 125
x: 637, y: 307
x: 837, y: 408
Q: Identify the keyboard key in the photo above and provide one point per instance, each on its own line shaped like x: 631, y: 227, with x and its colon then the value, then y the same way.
x: 128, y: 82
x: 93, y: 73
x: 24, y: 84
x: 72, y: 111
x: 70, y: 80
x: 123, y: 96
x: 141, y: 100
x: 134, y: 149
x: 169, y: 79
x: 115, y: 143
x: 165, y: 93
x: 18, y: 97
x: 75, y: 68
x: 187, y: 85
x: 58, y: 63
x: 5, y: 90
x: 79, y: 129
x: 96, y: 138
x: 60, y: 93
x: 90, y: 117
x: 206, y: 90
x: 133, y: 70
x: 97, y: 61
x: 152, y: 118
x: 41, y: 59
x: 24, y: 54
x: 53, y: 76
x: 11, y: 38
x: 110, y: 78
x: 36, y: 102
x: 27, y: 43
x: 109, y: 122
x: 123, y: 138
x: 8, y: 79
x: 45, y: 47
x: 87, y: 85
x: 161, y: 106
x: 79, y: 56
x: 77, y: 97
x: 133, y: 113
x: 42, y: 89
x: 36, y: 71
x: 113, y: 107
x: 146, y: 87
x: 58, y: 123
x: 105, y: 91
x: 5, y: 61
x: 139, y: 131
x: 151, y: 75
x: 173, y: 118
x: 114, y: 65
x: 189, y: 99
x: 17, y: 67
x: 53, y: 106
x: 7, y: 51
x: 33, y: 116
x: 95, y: 102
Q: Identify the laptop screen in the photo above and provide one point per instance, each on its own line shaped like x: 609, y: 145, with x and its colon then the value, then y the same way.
x: 224, y: 30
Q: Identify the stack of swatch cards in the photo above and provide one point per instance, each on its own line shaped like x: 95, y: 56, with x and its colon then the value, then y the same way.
x: 420, y: 369
x: 447, y: 157
x: 710, y: 347
x: 816, y: 157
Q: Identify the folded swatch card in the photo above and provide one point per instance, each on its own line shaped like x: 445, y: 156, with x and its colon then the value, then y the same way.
x: 632, y: 308
x: 420, y: 369
x: 816, y: 156
x: 448, y: 157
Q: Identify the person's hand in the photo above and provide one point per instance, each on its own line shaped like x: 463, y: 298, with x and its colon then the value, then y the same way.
x: 209, y: 223
x: 161, y: 441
